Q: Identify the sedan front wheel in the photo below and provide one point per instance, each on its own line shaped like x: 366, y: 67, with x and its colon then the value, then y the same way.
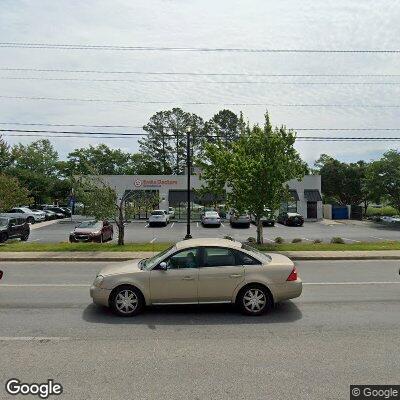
x: 127, y: 301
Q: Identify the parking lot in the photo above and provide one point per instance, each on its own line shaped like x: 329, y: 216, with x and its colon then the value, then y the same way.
x: 139, y: 231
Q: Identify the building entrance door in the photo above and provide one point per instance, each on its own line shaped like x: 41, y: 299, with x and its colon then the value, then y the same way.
x: 311, y: 209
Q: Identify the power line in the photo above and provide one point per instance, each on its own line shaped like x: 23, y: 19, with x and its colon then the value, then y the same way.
x: 58, y: 46
x: 201, y: 103
x: 113, y: 135
x: 194, y: 81
x: 84, y: 71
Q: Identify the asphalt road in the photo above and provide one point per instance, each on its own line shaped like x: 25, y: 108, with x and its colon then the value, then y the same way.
x: 350, y: 231
x: 344, y: 329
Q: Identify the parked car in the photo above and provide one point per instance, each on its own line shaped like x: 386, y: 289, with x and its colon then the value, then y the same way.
x: 67, y: 211
x: 50, y: 215
x: 12, y: 227
x: 171, y: 212
x: 187, y: 272
x: 290, y: 219
x: 242, y: 220
x: 267, y: 219
x: 158, y: 217
x: 58, y: 210
x: 30, y: 215
x: 92, y: 231
x: 211, y: 218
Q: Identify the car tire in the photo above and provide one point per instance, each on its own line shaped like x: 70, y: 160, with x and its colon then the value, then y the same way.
x: 129, y: 308
x: 3, y: 237
x: 30, y: 220
x: 25, y: 237
x: 165, y: 224
x: 254, y: 300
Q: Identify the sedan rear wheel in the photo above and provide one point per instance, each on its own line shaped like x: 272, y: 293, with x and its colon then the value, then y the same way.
x: 127, y: 301
x: 254, y: 300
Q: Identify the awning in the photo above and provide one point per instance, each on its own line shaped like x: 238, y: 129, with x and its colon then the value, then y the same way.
x: 293, y: 193
x: 312, y: 195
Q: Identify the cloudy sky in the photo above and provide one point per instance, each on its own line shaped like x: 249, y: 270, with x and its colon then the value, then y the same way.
x: 268, y: 24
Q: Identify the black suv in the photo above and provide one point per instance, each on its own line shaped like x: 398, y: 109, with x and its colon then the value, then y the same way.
x: 290, y: 219
x: 12, y: 227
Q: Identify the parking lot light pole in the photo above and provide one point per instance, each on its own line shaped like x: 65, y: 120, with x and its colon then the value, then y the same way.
x: 188, y: 168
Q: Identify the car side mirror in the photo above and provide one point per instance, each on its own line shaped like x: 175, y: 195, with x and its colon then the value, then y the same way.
x: 163, y: 266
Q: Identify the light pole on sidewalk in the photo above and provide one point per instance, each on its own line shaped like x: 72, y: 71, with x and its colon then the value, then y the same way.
x: 188, y: 168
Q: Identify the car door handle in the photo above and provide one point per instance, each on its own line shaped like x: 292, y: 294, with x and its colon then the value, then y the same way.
x: 188, y: 278
x: 236, y: 275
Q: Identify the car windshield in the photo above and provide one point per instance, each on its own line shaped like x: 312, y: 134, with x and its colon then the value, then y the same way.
x: 157, y: 213
x: 90, y: 224
x: 256, y: 252
x: 149, y: 263
x: 3, y: 221
x: 211, y: 214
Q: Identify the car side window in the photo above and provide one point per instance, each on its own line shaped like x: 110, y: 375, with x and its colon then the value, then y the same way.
x: 13, y: 222
x: 183, y: 259
x: 219, y: 257
x: 245, y: 259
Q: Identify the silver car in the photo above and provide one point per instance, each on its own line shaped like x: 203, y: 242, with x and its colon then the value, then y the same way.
x: 211, y: 218
x: 30, y: 215
x: 199, y: 271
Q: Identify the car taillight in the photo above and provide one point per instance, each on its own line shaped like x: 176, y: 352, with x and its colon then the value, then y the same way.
x: 293, y: 275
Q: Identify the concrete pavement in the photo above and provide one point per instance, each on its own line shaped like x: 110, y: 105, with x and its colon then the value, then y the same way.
x: 343, y: 330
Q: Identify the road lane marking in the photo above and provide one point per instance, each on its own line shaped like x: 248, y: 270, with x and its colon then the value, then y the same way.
x: 222, y: 225
x: 172, y: 225
x: 197, y: 224
x: 351, y: 283
x: 352, y: 240
x: 153, y: 240
x: 44, y: 285
x: 31, y: 338
x: 146, y: 226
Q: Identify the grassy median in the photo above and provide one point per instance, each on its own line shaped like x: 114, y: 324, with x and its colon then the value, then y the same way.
x: 42, y: 247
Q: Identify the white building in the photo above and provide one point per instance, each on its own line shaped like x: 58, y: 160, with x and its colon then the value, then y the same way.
x: 171, y: 189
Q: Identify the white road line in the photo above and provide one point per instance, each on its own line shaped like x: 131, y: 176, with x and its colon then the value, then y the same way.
x: 44, y: 285
x: 222, y: 225
x: 30, y: 338
x: 172, y: 225
x: 146, y: 226
x: 197, y: 224
x: 351, y: 283
x: 153, y: 240
x: 376, y: 237
x: 352, y: 240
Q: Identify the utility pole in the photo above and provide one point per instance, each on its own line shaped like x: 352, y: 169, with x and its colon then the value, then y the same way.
x: 188, y: 168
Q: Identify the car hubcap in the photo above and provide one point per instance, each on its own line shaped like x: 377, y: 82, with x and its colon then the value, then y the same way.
x: 126, y: 301
x: 254, y: 300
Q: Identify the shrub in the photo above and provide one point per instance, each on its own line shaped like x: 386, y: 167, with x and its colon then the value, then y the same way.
x: 317, y: 241
x: 375, y: 211
x: 296, y: 240
x: 337, y: 240
x: 251, y: 240
x: 279, y: 240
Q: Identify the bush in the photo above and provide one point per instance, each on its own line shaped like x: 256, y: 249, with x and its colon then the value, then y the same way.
x: 251, y: 240
x: 375, y: 211
x: 337, y: 240
x: 317, y: 241
x: 279, y: 240
x: 296, y: 240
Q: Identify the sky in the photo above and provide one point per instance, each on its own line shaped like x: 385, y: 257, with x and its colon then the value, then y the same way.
x: 268, y: 24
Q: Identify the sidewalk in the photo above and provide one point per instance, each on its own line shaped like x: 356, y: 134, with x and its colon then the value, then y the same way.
x: 98, y: 256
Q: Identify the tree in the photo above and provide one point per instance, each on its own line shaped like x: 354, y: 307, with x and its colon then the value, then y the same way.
x: 12, y: 193
x: 343, y: 183
x: 165, y: 144
x: 384, y: 178
x: 5, y: 155
x: 103, y: 203
x: 255, y: 170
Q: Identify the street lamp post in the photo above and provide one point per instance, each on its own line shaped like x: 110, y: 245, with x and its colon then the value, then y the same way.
x: 188, y: 168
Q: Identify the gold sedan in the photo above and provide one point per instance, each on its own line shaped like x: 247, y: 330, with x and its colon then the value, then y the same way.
x: 199, y: 271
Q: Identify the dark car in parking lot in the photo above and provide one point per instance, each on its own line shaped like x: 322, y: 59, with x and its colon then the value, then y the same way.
x: 92, y: 231
x: 290, y: 219
x: 13, y: 228
x: 58, y: 210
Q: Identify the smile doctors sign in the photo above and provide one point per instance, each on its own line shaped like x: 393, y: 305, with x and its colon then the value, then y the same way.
x: 147, y: 183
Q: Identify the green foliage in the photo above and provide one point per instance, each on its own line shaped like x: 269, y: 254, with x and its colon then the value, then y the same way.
x: 12, y: 193
x: 296, y: 240
x: 255, y: 169
x: 315, y: 241
x: 5, y: 154
x: 279, y: 240
x: 384, y: 177
x: 375, y: 211
x: 337, y: 240
x: 251, y: 240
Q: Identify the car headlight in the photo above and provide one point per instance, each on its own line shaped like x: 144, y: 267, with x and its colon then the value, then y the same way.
x: 98, y: 280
